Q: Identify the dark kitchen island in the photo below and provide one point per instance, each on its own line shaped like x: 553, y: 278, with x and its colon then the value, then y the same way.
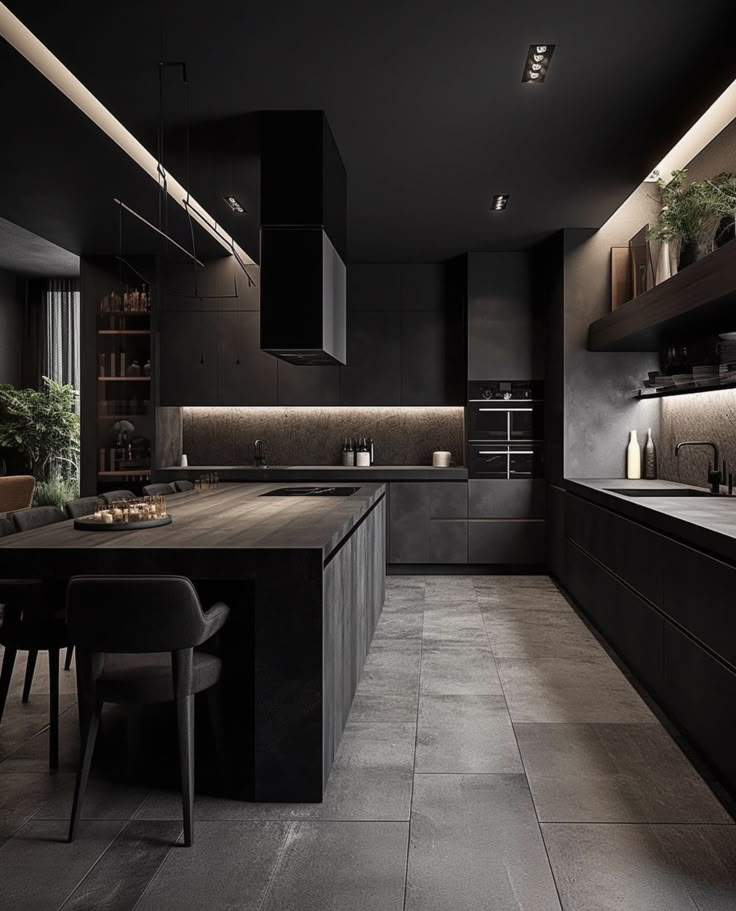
x: 304, y: 576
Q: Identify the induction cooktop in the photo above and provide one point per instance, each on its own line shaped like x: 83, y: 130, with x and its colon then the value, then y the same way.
x: 310, y: 492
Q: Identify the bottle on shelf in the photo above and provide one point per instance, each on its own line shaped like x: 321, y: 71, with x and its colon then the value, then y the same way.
x: 633, y: 457
x: 348, y: 453
x: 362, y: 455
x: 370, y: 448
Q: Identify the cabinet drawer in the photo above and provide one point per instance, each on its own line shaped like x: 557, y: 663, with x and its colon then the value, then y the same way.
x: 448, y: 541
x: 628, y: 623
x: 629, y: 550
x: 521, y: 499
x: 700, y: 694
x: 416, y: 534
x: 498, y: 541
x: 698, y: 593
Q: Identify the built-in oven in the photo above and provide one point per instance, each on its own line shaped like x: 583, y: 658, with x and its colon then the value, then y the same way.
x: 506, y: 461
x: 505, y: 429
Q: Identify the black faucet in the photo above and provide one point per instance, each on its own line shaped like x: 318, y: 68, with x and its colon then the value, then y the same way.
x: 714, y: 474
x: 259, y: 454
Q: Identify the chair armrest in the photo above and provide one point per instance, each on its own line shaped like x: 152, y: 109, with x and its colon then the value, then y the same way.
x: 215, y: 618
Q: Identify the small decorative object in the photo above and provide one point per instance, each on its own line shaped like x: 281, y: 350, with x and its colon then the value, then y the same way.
x: 664, y: 263
x: 642, y: 271
x: 134, y: 369
x: 363, y: 455
x: 633, y: 457
x: 650, y: 458
x: 127, y: 515
x: 620, y: 276
x: 184, y: 461
x: 441, y: 459
x: 147, y: 368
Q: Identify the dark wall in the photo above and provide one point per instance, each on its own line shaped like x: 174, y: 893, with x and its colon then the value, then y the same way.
x: 11, y: 328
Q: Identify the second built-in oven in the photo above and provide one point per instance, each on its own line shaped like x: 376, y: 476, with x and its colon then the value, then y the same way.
x: 505, y: 461
x: 505, y: 429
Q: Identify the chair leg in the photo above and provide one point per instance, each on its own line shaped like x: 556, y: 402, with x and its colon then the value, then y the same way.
x: 93, y: 723
x: 134, y: 722
x: 214, y: 705
x: 54, y: 708
x: 6, y: 675
x: 68, y: 659
x: 185, y: 721
x: 30, y: 670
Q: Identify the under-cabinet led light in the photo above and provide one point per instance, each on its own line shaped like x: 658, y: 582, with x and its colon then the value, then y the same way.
x: 39, y: 56
x: 537, y: 63
x: 500, y: 201
x: 236, y: 206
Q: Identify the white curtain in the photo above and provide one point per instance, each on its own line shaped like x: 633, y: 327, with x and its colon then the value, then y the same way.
x: 61, y: 331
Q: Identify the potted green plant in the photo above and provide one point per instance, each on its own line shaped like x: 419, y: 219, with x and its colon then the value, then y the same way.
x: 719, y: 195
x: 43, y: 426
x: 692, y: 213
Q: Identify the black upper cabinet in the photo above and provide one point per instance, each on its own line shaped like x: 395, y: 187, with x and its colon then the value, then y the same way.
x: 406, y: 342
x: 505, y: 331
x: 188, y: 358
x: 373, y: 372
x: 373, y: 286
x: 245, y: 374
x: 307, y: 385
x: 210, y: 358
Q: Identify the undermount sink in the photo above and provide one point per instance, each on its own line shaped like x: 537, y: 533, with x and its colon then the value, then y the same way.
x: 661, y: 492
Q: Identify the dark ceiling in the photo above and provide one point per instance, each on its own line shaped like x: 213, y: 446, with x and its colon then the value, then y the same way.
x: 424, y: 97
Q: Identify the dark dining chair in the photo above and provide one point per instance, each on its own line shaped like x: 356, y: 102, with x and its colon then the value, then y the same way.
x: 32, y: 622
x: 37, y: 517
x: 6, y: 526
x: 159, y: 490
x: 136, y: 639
x: 183, y: 485
x: 28, y: 520
x: 82, y: 506
x: 113, y: 495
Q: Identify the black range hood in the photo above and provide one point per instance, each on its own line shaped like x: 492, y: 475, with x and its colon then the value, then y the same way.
x: 303, y: 239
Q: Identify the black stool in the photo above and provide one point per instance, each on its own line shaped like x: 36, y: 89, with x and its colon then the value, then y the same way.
x: 136, y: 639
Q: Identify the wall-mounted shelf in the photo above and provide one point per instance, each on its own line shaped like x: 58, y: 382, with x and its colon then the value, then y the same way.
x: 687, y: 389
x: 123, y: 331
x: 124, y: 379
x: 128, y: 473
x: 699, y: 300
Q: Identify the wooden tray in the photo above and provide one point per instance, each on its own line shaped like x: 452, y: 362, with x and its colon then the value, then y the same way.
x: 85, y: 524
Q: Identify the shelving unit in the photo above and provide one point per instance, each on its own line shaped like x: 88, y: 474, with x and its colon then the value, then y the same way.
x: 689, y: 389
x: 699, y: 300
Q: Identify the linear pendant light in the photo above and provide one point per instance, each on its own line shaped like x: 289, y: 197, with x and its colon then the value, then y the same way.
x: 39, y: 56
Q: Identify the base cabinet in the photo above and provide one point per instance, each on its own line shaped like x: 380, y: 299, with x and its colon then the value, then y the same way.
x: 506, y: 542
x: 666, y: 609
x: 428, y: 522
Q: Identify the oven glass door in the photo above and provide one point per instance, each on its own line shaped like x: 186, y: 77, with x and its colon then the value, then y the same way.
x: 521, y: 424
x: 489, y: 423
x: 489, y: 461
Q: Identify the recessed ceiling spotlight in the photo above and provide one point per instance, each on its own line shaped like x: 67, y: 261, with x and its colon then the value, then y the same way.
x: 537, y: 62
x: 236, y: 206
x: 500, y: 201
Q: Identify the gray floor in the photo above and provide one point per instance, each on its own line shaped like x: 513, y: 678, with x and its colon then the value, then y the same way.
x: 495, y: 759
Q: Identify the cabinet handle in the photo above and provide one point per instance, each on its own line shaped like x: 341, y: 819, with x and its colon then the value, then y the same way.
x: 201, y: 358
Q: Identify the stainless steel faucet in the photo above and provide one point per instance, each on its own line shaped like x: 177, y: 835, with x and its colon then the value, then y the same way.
x: 259, y: 454
x: 714, y: 474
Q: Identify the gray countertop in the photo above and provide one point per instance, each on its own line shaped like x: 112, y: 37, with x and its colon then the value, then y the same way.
x: 317, y: 473
x: 708, y: 523
x: 229, y: 517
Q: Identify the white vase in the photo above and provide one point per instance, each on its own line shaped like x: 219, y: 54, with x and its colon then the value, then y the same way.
x: 633, y: 457
x: 664, y: 263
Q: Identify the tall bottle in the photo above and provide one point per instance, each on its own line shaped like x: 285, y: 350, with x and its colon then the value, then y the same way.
x: 633, y: 457
x: 650, y: 458
x: 370, y: 448
x: 348, y: 454
x: 362, y: 455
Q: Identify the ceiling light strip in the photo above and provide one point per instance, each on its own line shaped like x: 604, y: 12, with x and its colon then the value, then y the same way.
x: 703, y: 131
x: 39, y: 56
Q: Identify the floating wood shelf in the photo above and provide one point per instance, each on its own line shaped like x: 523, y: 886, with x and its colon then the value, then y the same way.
x: 688, y: 389
x: 124, y: 379
x: 123, y: 331
x: 699, y: 300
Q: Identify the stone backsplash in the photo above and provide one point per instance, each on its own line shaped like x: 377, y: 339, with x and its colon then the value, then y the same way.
x: 705, y: 416
x: 314, y: 436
